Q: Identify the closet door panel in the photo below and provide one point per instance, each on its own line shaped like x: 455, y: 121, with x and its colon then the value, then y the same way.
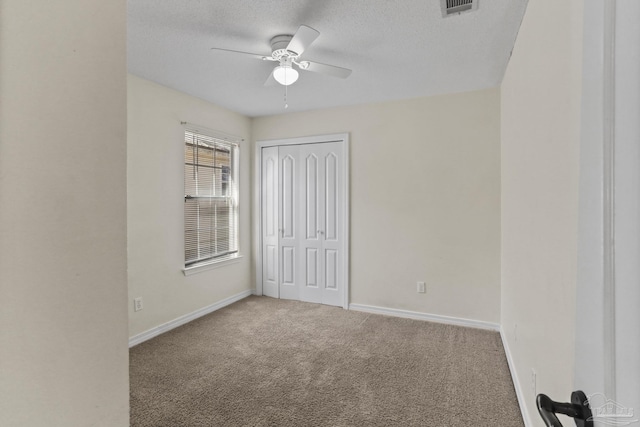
x: 331, y: 196
x: 331, y: 271
x: 288, y: 169
x: 311, y: 268
x: 312, y: 219
x: 270, y: 223
x: 288, y: 265
x: 289, y: 218
x: 311, y: 195
x: 332, y: 258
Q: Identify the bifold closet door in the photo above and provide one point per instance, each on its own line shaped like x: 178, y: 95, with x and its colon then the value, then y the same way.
x: 288, y: 214
x: 302, y: 225
x: 320, y: 260
x: 280, y: 223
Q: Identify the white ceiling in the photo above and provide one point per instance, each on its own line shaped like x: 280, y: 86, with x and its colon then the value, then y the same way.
x: 397, y: 49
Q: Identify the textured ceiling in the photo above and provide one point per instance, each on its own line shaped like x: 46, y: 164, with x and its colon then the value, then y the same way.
x: 396, y: 49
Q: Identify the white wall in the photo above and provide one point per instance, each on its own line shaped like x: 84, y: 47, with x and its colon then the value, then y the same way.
x: 425, y: 199
x: 155, y: 214
x: 63, y: 284
x: 540, y: 123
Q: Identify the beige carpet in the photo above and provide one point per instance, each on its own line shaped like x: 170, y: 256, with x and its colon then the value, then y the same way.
x: 268, y: 362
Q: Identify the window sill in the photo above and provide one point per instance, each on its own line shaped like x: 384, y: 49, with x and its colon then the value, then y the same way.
x: 210, y: 266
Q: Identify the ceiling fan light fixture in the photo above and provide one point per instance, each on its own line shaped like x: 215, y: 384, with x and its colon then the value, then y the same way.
x: 285, y: 75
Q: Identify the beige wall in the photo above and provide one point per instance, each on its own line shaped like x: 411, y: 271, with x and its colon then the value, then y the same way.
x: 63, y: 284
x: 540, y: 124
x: 155, y: 215
x: 425, y: 199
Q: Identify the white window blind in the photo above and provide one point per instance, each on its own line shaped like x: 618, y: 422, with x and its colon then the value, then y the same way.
x: 210, y: 199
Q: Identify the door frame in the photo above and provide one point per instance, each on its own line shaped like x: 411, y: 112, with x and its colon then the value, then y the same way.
x: 606, y: 339
x: 343, y: 139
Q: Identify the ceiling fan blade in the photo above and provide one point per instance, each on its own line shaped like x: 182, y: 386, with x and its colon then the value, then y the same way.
x: 330, y: 70
x: 271, y: 81
x: 302, y: 39
x: 254, y: 55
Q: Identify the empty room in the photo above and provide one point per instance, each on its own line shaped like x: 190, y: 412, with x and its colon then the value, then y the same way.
x: 306, y: 213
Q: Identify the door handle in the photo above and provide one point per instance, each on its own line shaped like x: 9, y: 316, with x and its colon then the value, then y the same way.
x: 578, y: 409
x: 320, y: 232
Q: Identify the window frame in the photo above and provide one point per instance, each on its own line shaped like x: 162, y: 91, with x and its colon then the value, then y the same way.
x: 233, y: 143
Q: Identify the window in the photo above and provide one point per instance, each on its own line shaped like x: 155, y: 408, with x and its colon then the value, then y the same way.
x: 210, y: 199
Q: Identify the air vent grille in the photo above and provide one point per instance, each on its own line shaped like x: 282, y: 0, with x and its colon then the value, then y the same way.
x: 455, y: 7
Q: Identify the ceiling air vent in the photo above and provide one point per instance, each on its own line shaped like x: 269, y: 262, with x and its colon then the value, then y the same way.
x: 455, y: 7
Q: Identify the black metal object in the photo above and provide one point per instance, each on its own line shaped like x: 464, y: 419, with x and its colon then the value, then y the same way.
x: 578, y: 409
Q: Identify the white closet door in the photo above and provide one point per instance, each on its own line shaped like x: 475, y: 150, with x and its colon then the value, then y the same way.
x: 311, y: 205
x: 333, y: 228
x: 303, y: 206
x: 289, y: 227
x: 270, y: 223
x: 320, y: 263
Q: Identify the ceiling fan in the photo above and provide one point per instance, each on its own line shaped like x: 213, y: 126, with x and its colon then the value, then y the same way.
x: 286, y: 50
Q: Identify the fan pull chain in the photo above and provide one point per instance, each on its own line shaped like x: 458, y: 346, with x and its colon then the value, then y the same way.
x: 285, y: 95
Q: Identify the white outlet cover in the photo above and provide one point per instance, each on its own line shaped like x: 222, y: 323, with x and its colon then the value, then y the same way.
x: 422, y: 287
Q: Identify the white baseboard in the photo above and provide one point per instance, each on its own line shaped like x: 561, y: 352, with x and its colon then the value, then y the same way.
x: 154, y: 332
x: 516, y: 382
x: 479, y: 324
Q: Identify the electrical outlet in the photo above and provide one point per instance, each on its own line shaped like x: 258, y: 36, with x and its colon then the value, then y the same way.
x: 534, y: 379
x: 422, y: 287
x: 137, y: 304
x: 515, y: 333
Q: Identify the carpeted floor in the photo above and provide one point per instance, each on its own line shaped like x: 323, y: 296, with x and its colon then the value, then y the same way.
x: 268, y: 362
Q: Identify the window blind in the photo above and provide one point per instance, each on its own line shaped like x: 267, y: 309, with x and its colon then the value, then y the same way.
x: 210, y: 199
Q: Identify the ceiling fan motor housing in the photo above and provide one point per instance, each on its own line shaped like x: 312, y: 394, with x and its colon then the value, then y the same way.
x: 279, y: 47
